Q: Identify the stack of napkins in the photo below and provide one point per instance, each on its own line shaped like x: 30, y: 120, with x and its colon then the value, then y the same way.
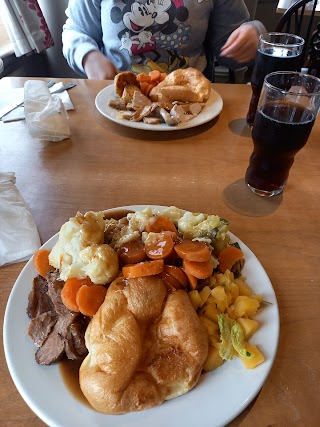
x: 19, y: 237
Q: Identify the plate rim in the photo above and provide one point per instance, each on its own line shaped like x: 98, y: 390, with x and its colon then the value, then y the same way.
x: 161, y: 127
x: 48, y: 420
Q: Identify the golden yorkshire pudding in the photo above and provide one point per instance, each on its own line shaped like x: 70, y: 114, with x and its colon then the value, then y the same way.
x: 145, y: 346
x: 188, y: 85
x: 123, y: 79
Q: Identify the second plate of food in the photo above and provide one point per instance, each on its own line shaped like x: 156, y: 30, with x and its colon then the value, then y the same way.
x: 211, y: 110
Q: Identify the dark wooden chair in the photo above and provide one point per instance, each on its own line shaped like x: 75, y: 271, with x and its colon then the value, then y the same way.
x: 300, y: 19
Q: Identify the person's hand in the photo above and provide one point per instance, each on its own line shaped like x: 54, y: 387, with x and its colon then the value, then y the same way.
x: 242, y: 44
x: 98, y: 67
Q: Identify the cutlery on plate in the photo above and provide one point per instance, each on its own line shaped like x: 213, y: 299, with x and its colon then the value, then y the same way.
x: 6, y: 110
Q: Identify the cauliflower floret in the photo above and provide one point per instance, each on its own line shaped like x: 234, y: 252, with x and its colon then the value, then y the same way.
x: 132, y: 230
x: 200, y: 226
x: 171, y: 212
x: 139, y: 220
x: 100, y: 263
x: 76, y: 235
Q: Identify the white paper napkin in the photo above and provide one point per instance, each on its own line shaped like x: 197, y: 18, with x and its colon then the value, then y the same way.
x: 19, y: 237
x: 46, y: 116
x: 18, y: 94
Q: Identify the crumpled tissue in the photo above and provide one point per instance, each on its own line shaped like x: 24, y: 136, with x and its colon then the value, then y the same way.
x: 19, y: 237
x: 45, y: 114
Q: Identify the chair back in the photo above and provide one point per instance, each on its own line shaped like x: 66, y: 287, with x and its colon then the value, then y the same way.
x: 299, y: 19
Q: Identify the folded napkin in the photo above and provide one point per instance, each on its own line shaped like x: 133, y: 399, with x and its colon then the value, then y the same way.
x: 17, y: 96
x: 46, y: 116
x: 19, y: 237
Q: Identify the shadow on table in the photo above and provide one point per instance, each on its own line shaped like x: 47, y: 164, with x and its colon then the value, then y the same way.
x: 150, y: 135
x: 240, y: 127
x: 239, y: 198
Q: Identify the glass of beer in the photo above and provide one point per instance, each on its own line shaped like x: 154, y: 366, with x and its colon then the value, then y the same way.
x: 276, y: 52
x: 287, y: 109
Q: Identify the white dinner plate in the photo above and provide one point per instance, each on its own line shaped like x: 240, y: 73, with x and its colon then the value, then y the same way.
x: 210, y: 111
x: 218, y: 398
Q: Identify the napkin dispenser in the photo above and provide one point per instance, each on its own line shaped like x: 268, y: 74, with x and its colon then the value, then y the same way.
x: 45, y: 114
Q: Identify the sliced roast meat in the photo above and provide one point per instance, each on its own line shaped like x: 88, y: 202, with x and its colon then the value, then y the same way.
x: 139, y: 100
x: 53, y: 348
x: 38, y: 300
x: 141, y: 113
x: 41, y: 326
x: 55, y: 286
x: 171, y: 121
x: 117, y: 103
x: 152, y: 120
x: 75, y: 343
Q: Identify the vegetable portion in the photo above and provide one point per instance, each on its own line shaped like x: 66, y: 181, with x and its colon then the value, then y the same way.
x: 41, y: 262
x: 189, y: 251
x: 143, y: 269
x: 192, y: 250
x: 70, y: 290
x: 228, y: 257
x: 89, y: 299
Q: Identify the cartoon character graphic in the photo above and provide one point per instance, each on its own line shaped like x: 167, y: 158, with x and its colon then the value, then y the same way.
x: 151, y: 26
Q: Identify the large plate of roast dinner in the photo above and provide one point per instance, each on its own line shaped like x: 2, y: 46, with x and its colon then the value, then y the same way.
x: 141, y: 316
x: 160, y: 102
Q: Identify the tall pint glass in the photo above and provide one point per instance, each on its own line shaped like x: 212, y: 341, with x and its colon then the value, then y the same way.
x: 288, y: 106
x: 276, y: 52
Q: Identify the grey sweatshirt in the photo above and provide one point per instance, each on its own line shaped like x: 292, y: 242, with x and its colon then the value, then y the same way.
x: 152, y: 34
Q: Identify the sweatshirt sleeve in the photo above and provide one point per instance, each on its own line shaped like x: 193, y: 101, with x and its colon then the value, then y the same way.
x: 227, y: 16
x: 82, y: 31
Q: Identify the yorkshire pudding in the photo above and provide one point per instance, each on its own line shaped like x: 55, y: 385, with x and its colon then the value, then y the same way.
x: 188, y: 85
x: 145, y: 346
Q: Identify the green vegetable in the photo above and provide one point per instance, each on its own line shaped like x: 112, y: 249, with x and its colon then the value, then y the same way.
x: 232, y: 338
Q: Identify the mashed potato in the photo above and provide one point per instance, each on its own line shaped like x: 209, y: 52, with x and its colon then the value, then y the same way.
x: 80, y: 250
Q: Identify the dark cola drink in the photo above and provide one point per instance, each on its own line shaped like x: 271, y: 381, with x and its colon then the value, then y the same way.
x: 276, y: 52
x: 266, y: 62
x: 275, y: 144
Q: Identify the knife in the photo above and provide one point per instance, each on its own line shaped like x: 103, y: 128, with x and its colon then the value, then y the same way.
x: 6, y: 110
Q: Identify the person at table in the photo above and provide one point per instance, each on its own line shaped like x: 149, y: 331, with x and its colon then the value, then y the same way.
x: 101, y: 38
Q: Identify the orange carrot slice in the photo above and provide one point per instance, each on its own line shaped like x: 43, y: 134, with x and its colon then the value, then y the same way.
x: 132, y: 252
x: 149, y: 88
x: 193, y: 251
x: 171, y: 283
x: 142, y: 77
x: 159, y: 246
x: 89, y: 299
x: 178, y: 274
x: 142, y: 269
x: 154, y: 75
x: 200, y: 270
x: 160, y: 223
x: 69, y: 292
x: 143, y: 86
x: 41, y: 262
x: 228, y: 257
x: 193, y: 281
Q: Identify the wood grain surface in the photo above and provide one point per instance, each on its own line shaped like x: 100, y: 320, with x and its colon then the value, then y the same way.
x: 105, y: 165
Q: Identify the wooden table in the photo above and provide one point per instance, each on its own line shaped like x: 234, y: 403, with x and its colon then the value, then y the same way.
x: 104, y: 165
x: 283, y: 5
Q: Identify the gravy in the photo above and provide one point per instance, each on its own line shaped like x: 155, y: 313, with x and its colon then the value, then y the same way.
x: 69, y: 370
